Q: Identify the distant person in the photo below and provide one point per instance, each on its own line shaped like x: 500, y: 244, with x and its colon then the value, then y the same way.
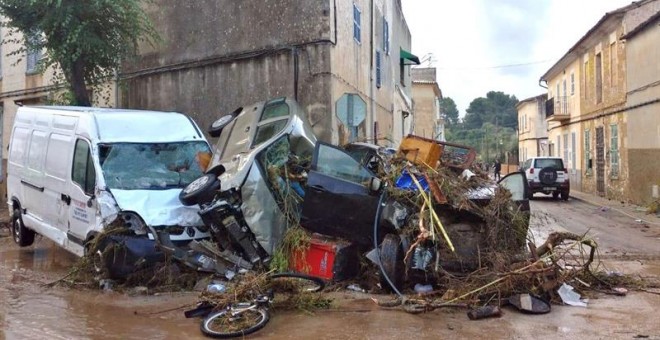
x: 496, y: 169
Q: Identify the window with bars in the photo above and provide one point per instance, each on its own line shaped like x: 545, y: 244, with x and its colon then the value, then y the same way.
x: 357, y: 27
x: 614, y: 150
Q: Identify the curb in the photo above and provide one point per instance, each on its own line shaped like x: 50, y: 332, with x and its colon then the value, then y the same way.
x: 643, y: 219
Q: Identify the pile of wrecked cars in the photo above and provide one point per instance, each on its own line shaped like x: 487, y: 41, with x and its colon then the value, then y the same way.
x: 266, y: 174
x: 268, y: 166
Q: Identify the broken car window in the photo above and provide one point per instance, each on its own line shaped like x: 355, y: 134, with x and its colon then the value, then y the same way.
x: 267, y: 131
x: 336, y: 163
x: 275, y: 110
x: 284, y: 169
x: 132, y: 166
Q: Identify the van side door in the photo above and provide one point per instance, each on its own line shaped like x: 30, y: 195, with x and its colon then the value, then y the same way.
x: 82, y: 211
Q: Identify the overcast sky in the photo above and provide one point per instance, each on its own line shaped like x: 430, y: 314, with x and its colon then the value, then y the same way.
x: 474, y: 41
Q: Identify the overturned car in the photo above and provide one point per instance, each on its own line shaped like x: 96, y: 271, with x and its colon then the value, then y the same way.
x: 267, y: 166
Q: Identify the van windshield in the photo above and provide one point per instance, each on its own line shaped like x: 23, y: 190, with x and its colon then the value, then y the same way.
x: 135, y: 166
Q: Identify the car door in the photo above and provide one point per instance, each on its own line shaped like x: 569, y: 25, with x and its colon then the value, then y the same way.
x: 517, y: 184
x: 339, y: 200
x: 82, y: 211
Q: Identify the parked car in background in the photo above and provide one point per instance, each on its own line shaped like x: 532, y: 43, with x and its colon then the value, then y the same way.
x: 547, y: 175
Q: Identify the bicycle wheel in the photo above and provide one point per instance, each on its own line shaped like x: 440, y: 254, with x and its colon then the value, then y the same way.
x: 232, y: 323
x: 296, y: 283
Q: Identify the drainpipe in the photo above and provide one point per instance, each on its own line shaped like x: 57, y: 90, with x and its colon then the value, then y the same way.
x: 541, y: 85
x: 372, y: 118
x: 295, y: 72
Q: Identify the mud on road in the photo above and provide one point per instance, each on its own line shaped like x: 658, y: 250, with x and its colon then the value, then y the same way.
x: 28, y: 309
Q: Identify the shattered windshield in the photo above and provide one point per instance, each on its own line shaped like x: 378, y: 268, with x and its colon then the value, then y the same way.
x: 134, y: 166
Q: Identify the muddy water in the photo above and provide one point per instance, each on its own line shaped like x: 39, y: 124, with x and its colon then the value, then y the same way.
x: 30, y: 310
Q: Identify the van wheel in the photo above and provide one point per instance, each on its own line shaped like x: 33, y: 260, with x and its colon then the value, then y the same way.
x: 564, y: 195
x: 22, y: 235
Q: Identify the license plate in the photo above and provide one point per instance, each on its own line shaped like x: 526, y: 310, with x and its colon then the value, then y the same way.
x: 549, y: 189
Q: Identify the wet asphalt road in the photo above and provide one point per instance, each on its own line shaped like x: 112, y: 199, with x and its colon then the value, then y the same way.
x: 28, y: 310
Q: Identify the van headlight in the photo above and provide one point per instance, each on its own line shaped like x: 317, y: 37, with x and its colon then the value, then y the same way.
x: 133, y: 222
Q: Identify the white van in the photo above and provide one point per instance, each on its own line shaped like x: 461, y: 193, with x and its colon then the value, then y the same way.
x: 72, y: 171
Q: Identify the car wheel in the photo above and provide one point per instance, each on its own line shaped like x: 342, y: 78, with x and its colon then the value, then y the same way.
x: 548, y: 176
x: 201, y: 190
x: 564, y: 195
x: 21, y: 234
x: 216, y: 127
x: 555, y: 194
x: 391, y: 255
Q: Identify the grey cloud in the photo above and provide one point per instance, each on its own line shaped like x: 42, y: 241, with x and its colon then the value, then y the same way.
x: 512, y: 28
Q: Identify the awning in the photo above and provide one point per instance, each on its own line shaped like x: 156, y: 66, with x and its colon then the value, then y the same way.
x: 408, y: 58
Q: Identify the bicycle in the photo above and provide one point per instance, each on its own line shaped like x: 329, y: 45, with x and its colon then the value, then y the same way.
x: 243, y: 318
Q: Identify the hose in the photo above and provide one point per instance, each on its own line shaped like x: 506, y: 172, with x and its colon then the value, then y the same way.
x: 380, y: 262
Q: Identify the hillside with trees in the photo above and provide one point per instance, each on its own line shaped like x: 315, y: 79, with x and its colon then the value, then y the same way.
x: 489, y: 126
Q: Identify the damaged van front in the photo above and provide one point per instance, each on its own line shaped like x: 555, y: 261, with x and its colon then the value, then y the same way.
x: 75, y: 173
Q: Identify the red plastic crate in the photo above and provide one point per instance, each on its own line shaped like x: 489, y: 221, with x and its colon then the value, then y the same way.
x: 327, y: 258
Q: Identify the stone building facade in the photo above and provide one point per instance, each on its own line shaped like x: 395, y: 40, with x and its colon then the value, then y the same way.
x: 643, y: 103
x: 218, y: 55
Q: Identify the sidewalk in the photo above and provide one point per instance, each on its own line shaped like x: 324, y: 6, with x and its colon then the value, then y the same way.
x: 633, y: 211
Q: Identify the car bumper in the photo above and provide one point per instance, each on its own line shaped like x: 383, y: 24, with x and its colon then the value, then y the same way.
x: 540, y: 187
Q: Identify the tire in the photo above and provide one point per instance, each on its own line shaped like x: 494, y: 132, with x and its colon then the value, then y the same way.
x: 391, y: 257
x: 564, y: 195
x: 20, y: 233
x: 548, y: 176
x: 210, y: 324
x: 216, y: 127
x: 302, y: 282
x: 555, y: 194
x: 201, y: 190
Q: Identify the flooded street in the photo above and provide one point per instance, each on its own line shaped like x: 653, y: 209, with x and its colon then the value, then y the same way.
x: 30, y: 310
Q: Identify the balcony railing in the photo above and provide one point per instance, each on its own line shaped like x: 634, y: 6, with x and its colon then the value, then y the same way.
x: 558, y: 108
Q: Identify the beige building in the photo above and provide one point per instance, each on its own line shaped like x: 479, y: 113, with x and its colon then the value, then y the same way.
x: 588, y: 110
x: 532, y: 128
x: 562, y: 112
x: 643, y: 103
x: 426, y: 94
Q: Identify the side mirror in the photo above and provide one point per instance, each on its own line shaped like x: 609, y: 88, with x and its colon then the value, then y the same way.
x: 375, y: 184
x: 90, y: 201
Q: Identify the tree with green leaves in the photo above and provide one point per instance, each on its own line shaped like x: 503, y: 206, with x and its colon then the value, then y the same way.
x: 86, y: 40
x: 489, y: 126
x: 496, y: 108
x: 448, y: 108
